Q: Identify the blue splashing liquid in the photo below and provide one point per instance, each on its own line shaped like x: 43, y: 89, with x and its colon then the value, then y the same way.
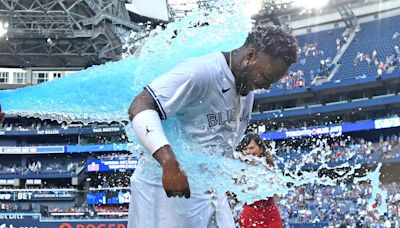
x: 103, y: 93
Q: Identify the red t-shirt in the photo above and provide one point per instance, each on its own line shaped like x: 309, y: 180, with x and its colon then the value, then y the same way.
x: 261, y: 214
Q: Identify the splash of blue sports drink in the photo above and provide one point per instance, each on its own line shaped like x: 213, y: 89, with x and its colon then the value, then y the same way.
x: 103, y: 93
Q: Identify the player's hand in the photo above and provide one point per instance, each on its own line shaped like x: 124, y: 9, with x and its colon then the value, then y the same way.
x: 174, y: 179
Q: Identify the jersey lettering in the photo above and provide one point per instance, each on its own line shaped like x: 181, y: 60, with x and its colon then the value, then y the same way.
x: 226, y: 117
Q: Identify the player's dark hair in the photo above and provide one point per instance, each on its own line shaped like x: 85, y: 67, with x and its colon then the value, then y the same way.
x: 274, y: 41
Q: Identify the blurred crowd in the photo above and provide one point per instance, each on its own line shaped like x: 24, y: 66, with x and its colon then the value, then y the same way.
x: 345, y: 204
x: 112, y: 132
x: 348, y: 205
x: 296, y: 79
x: 292, y: 80
x: 310, y: 49
x: 383, y: 64
x: 48, y: 167
x: 338, y: 150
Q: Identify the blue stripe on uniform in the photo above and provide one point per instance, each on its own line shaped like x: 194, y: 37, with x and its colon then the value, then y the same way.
x: 163, y: 114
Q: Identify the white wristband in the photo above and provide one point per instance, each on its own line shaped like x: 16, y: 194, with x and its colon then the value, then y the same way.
x: 148, y: 128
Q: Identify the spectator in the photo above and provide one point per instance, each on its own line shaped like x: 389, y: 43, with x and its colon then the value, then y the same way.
x: 375, y: 55
x: 379, y: 72
x: 338, y: 44
x: 396, y: 35
x: 368, y: 59
x: 262, y: 213
x: 312, y: 76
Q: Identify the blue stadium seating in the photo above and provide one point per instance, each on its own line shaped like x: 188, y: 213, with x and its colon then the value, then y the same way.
x: 328, y: 108
x: 326, y: 41
x: 373, y: 35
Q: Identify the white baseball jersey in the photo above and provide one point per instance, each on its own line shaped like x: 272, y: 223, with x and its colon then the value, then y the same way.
x: 201, y: 93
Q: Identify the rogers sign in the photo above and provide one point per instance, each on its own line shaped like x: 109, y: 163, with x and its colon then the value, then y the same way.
x: 35, y: 221
x: 90, y: 225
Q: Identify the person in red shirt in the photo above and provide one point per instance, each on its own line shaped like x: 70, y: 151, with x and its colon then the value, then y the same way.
x: 262, y: 213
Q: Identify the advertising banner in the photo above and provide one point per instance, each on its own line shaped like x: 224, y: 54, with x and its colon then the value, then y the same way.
x: 33, y: 196
x: 387, y: 123
x: 334, y: 129
x: 62, y: 131
x: 32, y: 150
x: 117, y: 164
x: 111, y: 197
x: 35, y: 221
x: 64, y: 149
x: 98, y: 148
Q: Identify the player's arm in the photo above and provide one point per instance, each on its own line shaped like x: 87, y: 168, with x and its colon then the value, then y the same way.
x: 146, y: 122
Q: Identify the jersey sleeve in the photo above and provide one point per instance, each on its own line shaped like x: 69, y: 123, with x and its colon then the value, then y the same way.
x: 185, y: 84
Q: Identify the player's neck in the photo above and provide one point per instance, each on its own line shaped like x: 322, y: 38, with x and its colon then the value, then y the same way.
x: 230, y: 58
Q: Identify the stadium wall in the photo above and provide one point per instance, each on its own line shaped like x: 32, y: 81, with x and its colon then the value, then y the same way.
x: 18, y: 77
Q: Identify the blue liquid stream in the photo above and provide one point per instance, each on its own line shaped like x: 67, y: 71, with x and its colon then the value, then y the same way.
x: 103, y: 93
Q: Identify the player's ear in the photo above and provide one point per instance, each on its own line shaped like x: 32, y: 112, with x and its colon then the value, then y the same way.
x: 250, y: 55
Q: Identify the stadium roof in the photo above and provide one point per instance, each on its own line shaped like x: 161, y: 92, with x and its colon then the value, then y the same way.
x: 57, y: 33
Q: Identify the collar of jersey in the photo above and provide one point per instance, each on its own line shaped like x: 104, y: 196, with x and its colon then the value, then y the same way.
x: 227, y: 70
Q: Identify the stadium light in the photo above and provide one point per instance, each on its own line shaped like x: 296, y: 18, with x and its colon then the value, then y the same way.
x: 252, y: 7
x: 311, y: 4
x: 3, y: 28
